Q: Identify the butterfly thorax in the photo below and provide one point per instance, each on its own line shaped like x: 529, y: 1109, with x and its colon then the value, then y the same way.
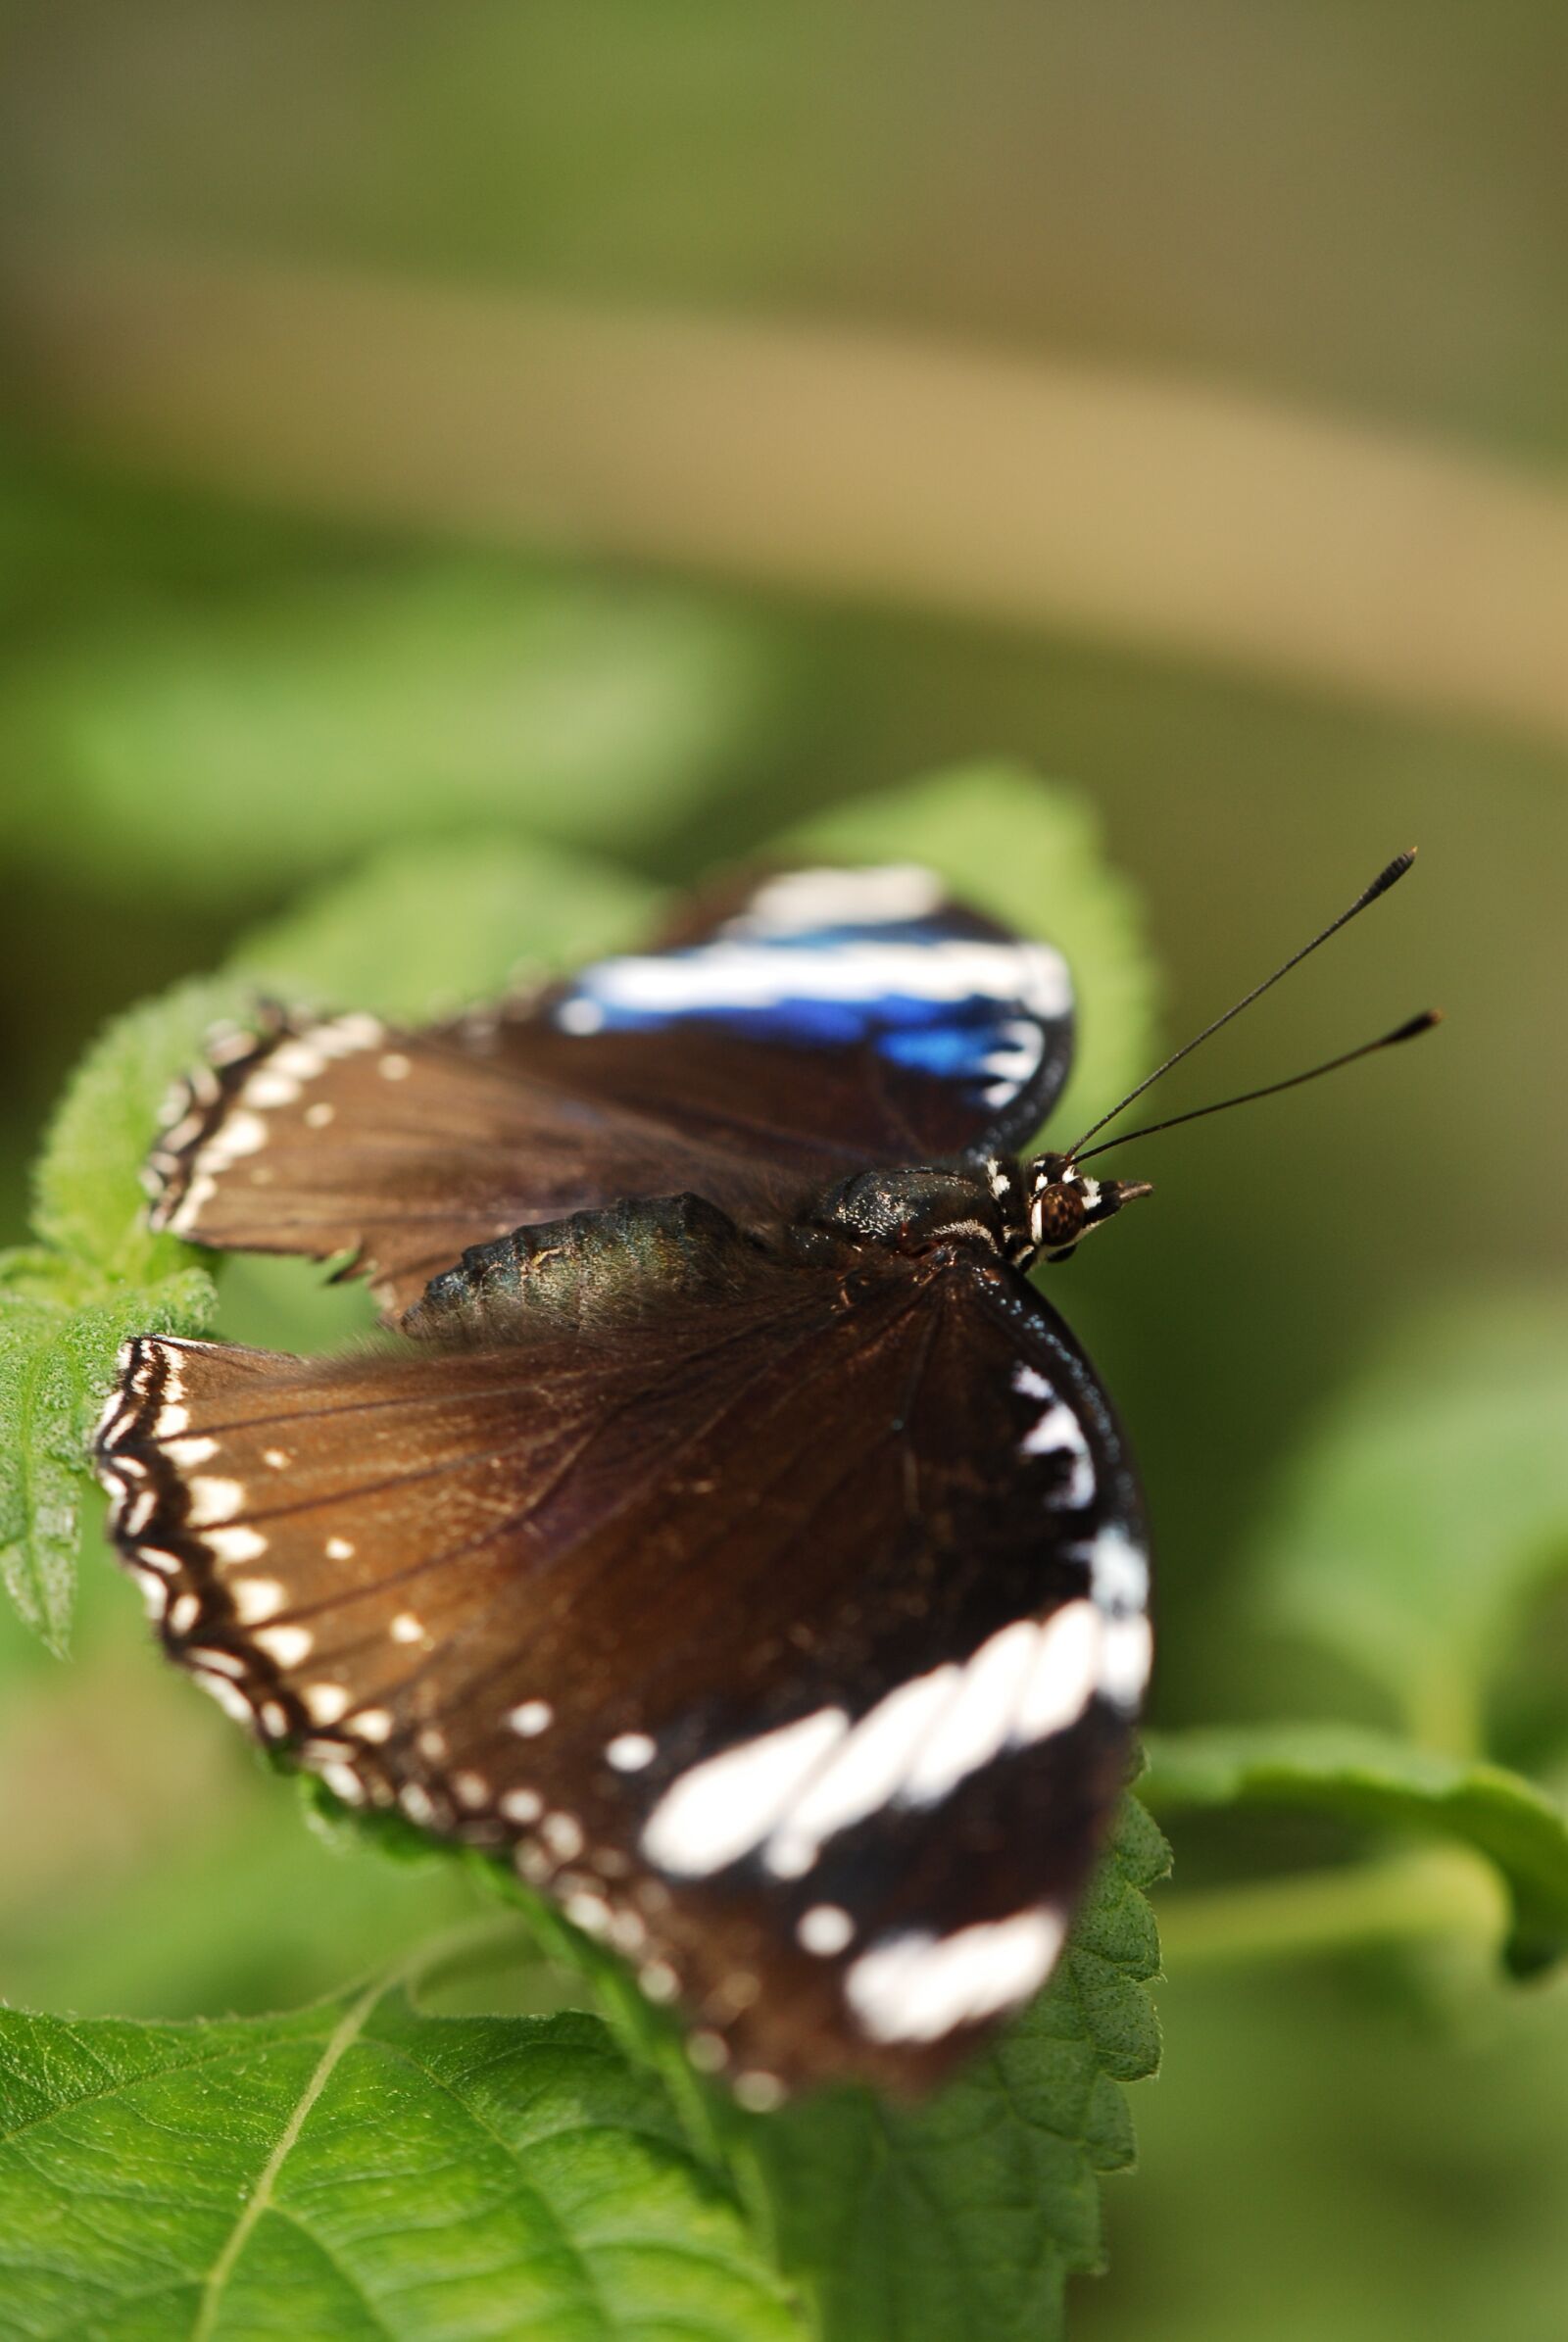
x: 1018, y: 1211
x: 930, y: 1206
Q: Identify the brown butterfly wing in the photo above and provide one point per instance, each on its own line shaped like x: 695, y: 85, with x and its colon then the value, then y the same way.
x: 402, y: 1150
x: 785, y: 1033
x: 787, y: 1632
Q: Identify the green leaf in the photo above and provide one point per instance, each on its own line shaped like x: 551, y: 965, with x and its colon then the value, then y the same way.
x: 1030, y: 852
x: 360, y: 2169
x: 1373, y: 1779
x: 88, y: 1199
x: 56, y: 1365
x: 1430, y: 1509
x: 100, y: 1275
x: 421, y: 930
x: 968, y: 2214
x: 232, y: 753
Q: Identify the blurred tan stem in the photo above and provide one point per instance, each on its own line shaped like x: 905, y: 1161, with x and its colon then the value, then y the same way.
x: 1019, y: 490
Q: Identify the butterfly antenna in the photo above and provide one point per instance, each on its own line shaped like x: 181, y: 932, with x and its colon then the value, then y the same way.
x: 1405, y: 1032
x: 1385, y: 879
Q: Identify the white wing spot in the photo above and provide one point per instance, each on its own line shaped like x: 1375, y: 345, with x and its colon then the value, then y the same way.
x: 825, y: 1930
x: 298, y: 1061
x: 801, y: 901
x: 214, y: 1500
x: 589, y: 1911
x: 1127, y: 1651
x: 471, y: 1790
x: 276, y: 1458
x: 522, y: 1805
x: 255, y: 1598
x: 228, y: 1696
x: 629, y: 1752
x: 286, y: 1645
x: 977, y: 1723
x: 531, y: 1718
x: 270, y: 1088
x: 235, y: 1545
x: 861, y: 1774
x: 580, y: 1016
x: 1063, y: 1674
x: 405, y: 1628
x: 395, y: 1066
x: 563, y: 1836
x: 183, y: 1613
x: 759, y: 2093
x: 371, y: 1724
x: 344, y: 1783
x: 325, y: 1703
x: 339, y: 1548
x: 658, y: 1980
x: 1059, y: 1432
x: 919, y: 1987
x: 721, y: 1808
x: 318, y: 1115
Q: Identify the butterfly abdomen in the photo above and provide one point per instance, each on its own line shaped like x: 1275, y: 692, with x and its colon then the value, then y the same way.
x: 594, y: 1271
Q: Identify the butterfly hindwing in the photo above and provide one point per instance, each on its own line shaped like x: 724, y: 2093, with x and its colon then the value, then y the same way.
x: 785, y: 1622
x: 786, y: 1033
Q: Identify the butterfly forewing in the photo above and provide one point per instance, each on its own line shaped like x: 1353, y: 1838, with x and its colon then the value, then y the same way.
x: 787, y: 1033
x: 787, y: 1631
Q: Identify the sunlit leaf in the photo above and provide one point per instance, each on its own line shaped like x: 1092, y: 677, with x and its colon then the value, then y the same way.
x: 360, y: 2169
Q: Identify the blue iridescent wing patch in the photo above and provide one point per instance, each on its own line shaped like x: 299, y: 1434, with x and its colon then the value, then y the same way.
x: 970, y: 1024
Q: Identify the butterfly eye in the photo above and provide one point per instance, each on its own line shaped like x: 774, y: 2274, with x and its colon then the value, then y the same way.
x: 1057, y: 1214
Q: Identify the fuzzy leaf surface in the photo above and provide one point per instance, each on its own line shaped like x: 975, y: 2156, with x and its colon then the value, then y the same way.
x: 57, y: 1360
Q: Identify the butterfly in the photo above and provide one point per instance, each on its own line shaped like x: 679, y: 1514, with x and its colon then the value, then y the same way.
x: 729, y: 1532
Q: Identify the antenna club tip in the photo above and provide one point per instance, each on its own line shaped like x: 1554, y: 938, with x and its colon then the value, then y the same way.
x: 1388, y: 877
x: 1417, y: 1024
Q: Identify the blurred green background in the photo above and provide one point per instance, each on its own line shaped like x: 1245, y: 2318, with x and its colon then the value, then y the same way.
x: 298, y: 560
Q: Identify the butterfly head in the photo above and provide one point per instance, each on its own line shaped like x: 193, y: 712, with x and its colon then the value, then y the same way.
x: 1064, y: 1204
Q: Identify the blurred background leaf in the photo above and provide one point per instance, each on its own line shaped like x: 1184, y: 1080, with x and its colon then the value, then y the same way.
x: 1429, y: 1508
x: 1378, y: 1781
x: 226, y: 754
